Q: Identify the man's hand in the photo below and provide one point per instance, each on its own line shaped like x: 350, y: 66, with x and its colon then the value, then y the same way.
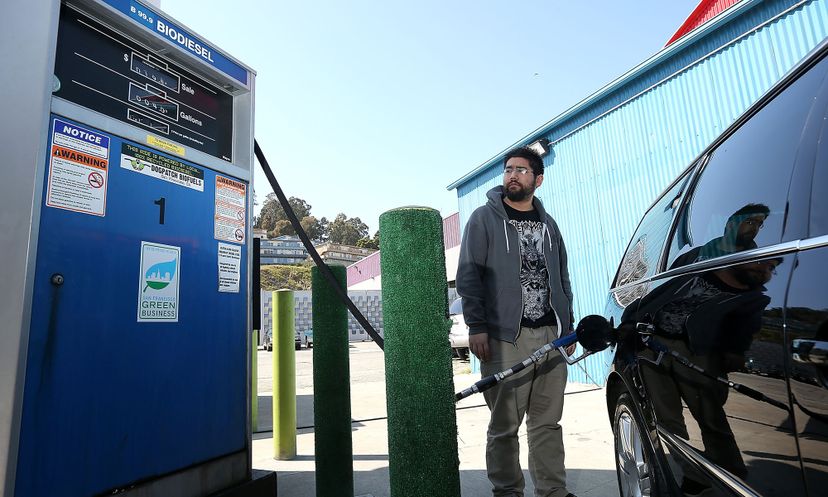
x: 570, y: 349
x: 479, y: 345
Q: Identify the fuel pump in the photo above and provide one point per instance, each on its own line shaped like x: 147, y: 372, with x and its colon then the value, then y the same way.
x: 131, y: 368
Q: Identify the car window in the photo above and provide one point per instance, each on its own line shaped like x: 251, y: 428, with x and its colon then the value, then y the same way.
x: 641, y: 258
x: 819, y: 194
x: 456, y: 307
x: 739, y: 202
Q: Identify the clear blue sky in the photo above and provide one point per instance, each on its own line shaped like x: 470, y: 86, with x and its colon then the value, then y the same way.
x: 365, y: 106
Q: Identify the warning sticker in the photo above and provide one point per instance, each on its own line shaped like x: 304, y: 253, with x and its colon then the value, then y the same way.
x: 231, y: 210
x: 229, y: 267
x: 151, y: 164
x: 158, y: 283
x: 78, y: 168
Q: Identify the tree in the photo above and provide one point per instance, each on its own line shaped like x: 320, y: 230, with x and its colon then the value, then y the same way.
x: 255, y: 203
x: 267, y: 216
x: 316, y: 229
x: 347, y: 231
x: 282, y: 227
x: 272, y: 213
x: 368, y: 242
x: 300, y: 207
x: 324, y: 229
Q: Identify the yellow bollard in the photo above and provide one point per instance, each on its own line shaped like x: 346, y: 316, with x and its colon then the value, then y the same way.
x: 284, y: 376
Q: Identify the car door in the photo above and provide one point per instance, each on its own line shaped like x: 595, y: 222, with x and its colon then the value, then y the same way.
x: 718, y: 327
x: 807, y: 343
x: 716, y: 380
x: 807, y: 324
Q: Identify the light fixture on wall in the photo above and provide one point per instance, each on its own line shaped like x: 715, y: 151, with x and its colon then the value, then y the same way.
x: 540, y: 146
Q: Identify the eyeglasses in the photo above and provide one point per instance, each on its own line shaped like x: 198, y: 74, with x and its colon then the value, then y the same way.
x: 768, y: 265
x: 755, y: 223
x: 523, y: 171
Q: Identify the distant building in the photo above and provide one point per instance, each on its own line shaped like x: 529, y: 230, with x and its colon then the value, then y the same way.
x: 334, y: 253
x: 365, y: 274
x: 284, y: 249
x: 369, y: 303
x: 260, y: 233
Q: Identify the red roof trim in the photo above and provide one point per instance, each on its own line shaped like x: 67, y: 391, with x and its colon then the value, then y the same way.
x: 704, y: 11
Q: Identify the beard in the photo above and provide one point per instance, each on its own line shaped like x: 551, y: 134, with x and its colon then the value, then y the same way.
x: 518, y: 194
x: 745, y: 240
x: 752, y: 278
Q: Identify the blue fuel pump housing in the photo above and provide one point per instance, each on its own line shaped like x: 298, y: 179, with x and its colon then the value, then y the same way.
x: 135, y: 360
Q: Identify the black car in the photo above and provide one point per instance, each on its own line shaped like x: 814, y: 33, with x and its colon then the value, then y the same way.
x: 718, y: 384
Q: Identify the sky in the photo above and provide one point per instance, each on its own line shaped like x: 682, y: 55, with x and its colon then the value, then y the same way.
x: 365, y: 106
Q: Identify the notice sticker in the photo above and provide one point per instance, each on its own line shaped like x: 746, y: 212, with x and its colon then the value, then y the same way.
x: 231, y: 210
x: 158, y: 283
x: 170, y: 170
x: 76, y: 138
x: 229, y: 267
x: 78, y: 168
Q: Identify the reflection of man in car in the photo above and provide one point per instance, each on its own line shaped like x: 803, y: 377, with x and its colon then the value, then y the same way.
x: 741, y: 229
x: 711, y: 319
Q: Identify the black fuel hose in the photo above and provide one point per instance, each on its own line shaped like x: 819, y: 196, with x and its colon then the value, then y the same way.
x: 323, y: 268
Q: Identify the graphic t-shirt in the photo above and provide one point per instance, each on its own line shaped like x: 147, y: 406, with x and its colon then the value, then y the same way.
x: 534, y: 278
x: 694, y: 293
x: 697, y: 291
x: 709, y: 314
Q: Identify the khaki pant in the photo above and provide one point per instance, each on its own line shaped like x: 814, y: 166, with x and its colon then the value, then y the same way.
x: 670, y: 383
x: 536, y: 392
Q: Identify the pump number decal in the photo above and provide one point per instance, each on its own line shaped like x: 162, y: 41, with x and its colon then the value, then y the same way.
x: 78, y: 169
x: 158, y: 283
x: 151, y: 164
x: 231, y: 210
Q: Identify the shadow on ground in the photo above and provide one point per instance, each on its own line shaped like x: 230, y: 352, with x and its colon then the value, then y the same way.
x: 304, y: 413
x: 304, y: 416
x: 473, y: 483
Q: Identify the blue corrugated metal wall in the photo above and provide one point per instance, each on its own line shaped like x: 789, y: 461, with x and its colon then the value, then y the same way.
x: 615, y: 155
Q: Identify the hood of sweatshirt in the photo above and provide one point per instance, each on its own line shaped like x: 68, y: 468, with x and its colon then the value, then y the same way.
x: 495, y: 202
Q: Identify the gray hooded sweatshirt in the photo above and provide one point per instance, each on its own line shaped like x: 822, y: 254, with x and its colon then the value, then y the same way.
x: 488, y: 275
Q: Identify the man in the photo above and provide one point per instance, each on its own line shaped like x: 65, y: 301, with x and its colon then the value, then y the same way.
x: 710, y: 318
x: 514, y: 282
x: 740, y: 230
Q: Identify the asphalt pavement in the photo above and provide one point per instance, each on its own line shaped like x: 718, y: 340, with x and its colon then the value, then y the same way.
x: 587, y: 435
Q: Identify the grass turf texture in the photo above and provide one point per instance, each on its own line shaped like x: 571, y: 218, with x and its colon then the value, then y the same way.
x: 284, y: 376
x: 331, y: 388
x: 422, y: 427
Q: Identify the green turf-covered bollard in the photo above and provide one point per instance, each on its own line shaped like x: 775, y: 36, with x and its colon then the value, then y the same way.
x: 331, y: 388
x: 422, y: 427
x: 284, y: 376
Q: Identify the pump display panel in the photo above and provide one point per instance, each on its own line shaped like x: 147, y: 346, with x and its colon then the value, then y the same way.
x: 100, y: 69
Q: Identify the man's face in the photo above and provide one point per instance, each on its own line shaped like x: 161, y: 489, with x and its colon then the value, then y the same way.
x: 749, y: 228
x: 519, y: 182
x: 755, y: 274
